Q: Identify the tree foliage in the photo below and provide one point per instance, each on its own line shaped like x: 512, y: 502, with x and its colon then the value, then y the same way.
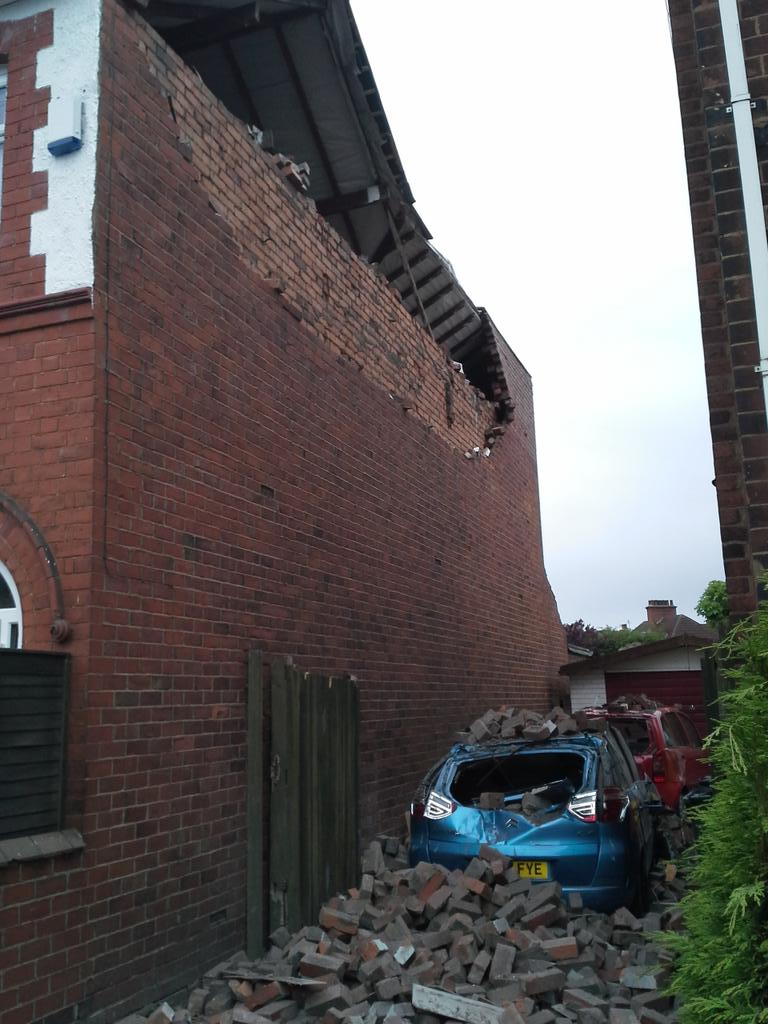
x: 607, y: 639
x: 713, y: 603
x: 610, y: 639
x: 580, y: 634
x: 722, y: 970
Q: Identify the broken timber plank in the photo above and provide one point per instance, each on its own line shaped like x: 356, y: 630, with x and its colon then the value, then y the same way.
x: 246, y: 974
x: 444, y: 1004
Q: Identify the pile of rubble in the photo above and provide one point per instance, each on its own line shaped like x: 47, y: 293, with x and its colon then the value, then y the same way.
x: 507, y: 723
x: 633, y: 702
x: 424, y: 945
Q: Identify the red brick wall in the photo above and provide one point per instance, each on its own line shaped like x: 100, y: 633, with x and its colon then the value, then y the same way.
x: 24, y: 192
x: 737, y: 412
x: 47, y: 470
x: 275, y: 469
x: 47, y: 474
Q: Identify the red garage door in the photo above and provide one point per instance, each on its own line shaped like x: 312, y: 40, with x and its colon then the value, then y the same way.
x: 684, y: 688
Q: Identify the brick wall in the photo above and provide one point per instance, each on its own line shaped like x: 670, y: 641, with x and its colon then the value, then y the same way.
x: 276, y: 469
x: 24, y: 191
x: 47, y: 472
x: 737, y: 413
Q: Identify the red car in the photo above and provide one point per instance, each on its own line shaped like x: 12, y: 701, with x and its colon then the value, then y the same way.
x: 665, y: 744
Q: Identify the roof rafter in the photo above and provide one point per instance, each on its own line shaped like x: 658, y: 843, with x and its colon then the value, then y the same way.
x: 317, y: 137
x: 441, y: 339
x: 227, y: 25
x: 451, y: 311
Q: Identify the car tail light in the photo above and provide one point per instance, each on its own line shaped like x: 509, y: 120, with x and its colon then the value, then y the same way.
x: 438, y: 806
x: 615, y: 804
x: 584, y: 806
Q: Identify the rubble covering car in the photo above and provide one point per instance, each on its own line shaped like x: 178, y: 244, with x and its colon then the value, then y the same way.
x: 561, y: 797
x: 664, y: 742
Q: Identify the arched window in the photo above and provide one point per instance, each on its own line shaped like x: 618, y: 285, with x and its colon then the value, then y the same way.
x: 10, y: 610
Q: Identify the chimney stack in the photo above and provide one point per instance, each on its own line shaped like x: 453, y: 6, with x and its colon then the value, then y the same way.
x: 661, y: 616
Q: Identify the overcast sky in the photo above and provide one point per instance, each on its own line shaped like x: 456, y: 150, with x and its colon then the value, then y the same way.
x: 544, y: 148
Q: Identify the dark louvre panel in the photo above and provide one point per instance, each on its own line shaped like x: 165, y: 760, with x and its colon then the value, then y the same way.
x: 33, y: 712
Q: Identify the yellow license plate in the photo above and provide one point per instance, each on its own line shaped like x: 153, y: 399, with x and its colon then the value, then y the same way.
x: 536, y: 869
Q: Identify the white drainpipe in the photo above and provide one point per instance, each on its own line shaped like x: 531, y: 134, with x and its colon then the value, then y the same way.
x: 749, y: 170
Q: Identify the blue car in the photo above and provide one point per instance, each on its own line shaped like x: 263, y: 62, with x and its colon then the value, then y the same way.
x: 572, y: 809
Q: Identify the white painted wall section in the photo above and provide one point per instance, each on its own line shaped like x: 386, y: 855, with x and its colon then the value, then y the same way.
x: 63, y: 233
x: 682, y: 659
x: 588, y: 689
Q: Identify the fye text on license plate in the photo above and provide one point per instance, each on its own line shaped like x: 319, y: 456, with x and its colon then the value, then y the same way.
x: 531, y: 868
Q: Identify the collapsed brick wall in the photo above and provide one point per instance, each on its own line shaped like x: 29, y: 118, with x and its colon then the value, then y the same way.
x: 297, y: 256
x: 266, y: 488
x: 729, y: 331
x: 274, y: 468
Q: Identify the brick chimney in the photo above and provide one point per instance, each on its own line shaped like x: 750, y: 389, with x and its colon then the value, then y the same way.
x: 661, y: 616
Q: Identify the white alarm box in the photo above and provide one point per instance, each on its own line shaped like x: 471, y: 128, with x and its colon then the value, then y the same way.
x: 65, y: 124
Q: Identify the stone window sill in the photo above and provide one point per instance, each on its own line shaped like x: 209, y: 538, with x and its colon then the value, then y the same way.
x: 47, y: 844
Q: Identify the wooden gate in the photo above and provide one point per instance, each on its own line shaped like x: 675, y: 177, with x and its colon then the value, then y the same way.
x: 302, y: 794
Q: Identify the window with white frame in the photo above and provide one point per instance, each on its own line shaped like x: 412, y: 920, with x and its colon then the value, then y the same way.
x: 10, y: 610
x: 3, y: 91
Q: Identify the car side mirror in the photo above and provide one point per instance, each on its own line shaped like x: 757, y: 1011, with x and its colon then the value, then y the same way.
x: 624, y: 809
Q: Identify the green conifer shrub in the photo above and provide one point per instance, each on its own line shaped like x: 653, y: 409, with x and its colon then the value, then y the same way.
x: 722, y: 970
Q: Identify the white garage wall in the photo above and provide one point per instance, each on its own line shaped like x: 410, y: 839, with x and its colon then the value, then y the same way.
x: 587, y: 689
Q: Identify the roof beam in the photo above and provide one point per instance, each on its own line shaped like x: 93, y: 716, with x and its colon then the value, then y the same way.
x: 182, y: 11
x: 311, y: 5
x: 349, y: 200
x: 317, y: 137
x: 404, y: 257
x: 388, y: 245
x: 393, y: 275
x: 424, y: 281
x: 452, y: 311
x: 465, y: 346
x: 439, y: 294
x: 226, y: 25
x: 443, y: 338
x: 242, y: 86
x: 212, y: 29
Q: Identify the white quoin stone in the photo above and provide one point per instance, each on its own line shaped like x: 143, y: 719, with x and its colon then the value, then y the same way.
x: 63, y: 232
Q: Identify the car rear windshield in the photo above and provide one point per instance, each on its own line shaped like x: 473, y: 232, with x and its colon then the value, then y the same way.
x: 674, y: 734
x: 635, y: 732
x: 691, y: 734
x: 553, y: 776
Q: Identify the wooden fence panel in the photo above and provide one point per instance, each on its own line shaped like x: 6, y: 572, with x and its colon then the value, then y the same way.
x: 310, y: 826
x: 329, y: 790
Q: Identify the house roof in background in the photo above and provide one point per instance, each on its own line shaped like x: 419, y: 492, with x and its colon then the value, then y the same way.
x: 615, y: 658
x: 683, y: 625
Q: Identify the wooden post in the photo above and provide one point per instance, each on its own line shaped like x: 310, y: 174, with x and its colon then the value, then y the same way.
x: 254, y: 805
x: 286, y: 837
